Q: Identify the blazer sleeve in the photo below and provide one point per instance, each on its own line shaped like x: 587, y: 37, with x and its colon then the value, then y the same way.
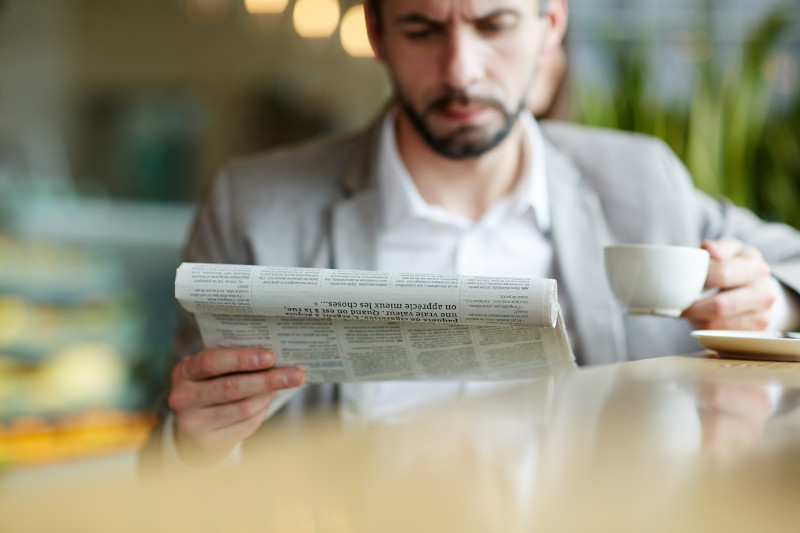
x: 718, y: 217
x: 214, y: 238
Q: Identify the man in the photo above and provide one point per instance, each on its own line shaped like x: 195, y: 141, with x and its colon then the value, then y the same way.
x: 456, y: 178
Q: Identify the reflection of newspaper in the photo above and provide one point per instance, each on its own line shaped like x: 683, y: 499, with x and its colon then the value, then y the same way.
x: 348, y: 325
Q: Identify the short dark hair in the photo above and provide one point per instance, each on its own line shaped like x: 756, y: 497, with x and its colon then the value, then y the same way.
x: 375, y: 5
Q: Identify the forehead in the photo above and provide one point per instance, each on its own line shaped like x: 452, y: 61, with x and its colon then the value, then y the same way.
x: 449, y: 9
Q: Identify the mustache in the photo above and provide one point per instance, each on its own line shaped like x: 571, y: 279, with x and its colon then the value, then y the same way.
x: 462, y: 98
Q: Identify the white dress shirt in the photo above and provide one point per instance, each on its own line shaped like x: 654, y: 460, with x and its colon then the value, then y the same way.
x: 511, y: 239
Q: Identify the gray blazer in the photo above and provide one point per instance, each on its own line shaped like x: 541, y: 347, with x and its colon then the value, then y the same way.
x: 317, y: 206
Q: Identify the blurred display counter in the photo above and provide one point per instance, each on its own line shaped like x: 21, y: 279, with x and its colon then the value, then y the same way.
x: 86, y: 318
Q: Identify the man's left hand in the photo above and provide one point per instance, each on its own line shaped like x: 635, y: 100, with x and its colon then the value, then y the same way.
x: 732, y: 415
x: 746, y: 292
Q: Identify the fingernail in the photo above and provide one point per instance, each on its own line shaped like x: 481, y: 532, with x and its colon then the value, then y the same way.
x: 293, y: 378
x: 262, y: 358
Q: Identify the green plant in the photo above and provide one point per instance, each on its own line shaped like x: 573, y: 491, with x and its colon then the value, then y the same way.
x: 730, y: 141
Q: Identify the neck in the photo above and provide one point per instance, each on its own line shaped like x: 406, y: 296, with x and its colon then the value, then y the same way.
x: 466, y: 187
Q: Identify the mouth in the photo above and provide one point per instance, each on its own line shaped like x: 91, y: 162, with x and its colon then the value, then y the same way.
x: 461, y: 113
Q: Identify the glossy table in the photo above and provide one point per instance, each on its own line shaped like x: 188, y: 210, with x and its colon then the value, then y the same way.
x: 672, y: 444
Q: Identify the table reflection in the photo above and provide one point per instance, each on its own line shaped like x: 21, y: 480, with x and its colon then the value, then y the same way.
x: 684, y: 444
x: 673, y: 444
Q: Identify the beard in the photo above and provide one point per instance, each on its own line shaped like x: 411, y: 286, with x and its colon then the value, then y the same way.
x: 465, y: 141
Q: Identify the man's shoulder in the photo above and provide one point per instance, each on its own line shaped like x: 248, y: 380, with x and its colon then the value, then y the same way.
x: 273, y: 207
x: 644, y: 190
x: 611, y: 160
x: 588, y: 143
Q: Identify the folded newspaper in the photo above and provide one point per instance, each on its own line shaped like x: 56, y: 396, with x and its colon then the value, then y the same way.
x: 349, y: 325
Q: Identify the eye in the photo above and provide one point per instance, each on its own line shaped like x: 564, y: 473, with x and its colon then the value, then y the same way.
x: 418, y: 34
x: 496, y: 23
x: 419, y: 30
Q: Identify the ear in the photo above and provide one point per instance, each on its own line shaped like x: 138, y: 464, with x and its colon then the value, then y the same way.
x: 557, y: 15
x: 374, y: 32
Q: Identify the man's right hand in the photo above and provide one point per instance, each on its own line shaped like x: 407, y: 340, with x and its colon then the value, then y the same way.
x: 221, y: 396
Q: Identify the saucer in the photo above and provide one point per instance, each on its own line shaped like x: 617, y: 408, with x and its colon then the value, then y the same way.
x: 757, y: 345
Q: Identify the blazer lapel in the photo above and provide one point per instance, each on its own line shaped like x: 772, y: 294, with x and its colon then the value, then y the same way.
x: 355, y: 220
x: 354, y: 232
x: 579, y: 234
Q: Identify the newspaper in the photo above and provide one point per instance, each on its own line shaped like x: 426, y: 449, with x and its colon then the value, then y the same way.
x: 349, y: 325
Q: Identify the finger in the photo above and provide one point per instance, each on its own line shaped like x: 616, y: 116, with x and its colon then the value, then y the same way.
x: 750, y: 322
x: 737, y: 271
x: 216, y: 362
x: 722, y: 249
x: 224, y: 438
x: 199, y: 421
x: 235, y: 387
x: 726, y: 436
x: 753, y: 298
x: 230, y: 435
x: 746, y: 400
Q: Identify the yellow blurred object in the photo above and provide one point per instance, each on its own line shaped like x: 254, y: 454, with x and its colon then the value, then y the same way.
x: 37, y: 327
x: 353, y: 33
x: 316, y: 18
x: 14, y: 318
x: 263, y: 7
x: 81, y: 374
x: 35, y: 441
x: 30, y: 437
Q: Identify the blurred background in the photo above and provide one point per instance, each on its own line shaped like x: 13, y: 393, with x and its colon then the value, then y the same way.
x: 115, y: 114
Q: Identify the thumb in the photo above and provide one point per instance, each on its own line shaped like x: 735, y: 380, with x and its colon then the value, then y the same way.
x: 722, y: 249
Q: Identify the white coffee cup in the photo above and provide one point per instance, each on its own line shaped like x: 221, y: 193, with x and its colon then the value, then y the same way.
x: 656, y: 279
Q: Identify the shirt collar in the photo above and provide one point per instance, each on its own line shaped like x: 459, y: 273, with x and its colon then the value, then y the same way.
x: 401, y: 200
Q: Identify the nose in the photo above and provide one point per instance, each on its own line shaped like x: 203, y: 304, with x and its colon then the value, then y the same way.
x: 462, y: 63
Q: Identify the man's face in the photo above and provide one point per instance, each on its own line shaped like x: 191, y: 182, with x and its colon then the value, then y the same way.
x: 461, y: 68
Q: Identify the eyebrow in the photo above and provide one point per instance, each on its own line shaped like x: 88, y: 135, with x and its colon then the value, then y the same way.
x: 415, y: 18
x: 419, y: 18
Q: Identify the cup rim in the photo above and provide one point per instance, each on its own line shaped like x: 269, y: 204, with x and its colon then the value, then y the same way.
x: 647, y: 246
